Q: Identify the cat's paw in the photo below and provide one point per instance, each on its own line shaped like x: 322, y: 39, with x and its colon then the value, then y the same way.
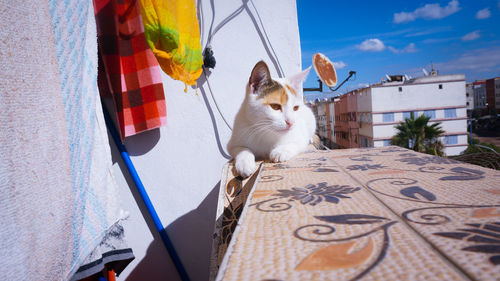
x: 245, y: 166
x: 283, y: 153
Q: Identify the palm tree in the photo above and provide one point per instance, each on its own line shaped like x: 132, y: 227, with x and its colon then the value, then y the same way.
x: 415, y: 133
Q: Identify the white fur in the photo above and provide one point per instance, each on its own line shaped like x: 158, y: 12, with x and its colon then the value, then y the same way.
x: 261, y: 132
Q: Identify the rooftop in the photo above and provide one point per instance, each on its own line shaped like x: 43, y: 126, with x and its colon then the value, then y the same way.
x: 423, y: 80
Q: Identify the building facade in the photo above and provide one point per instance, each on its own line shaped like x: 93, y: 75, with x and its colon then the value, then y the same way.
x: 479, y: 94
x: 367, y: 117
x: 469, y: 97
x: 323, y: 110
x: 493, y: 94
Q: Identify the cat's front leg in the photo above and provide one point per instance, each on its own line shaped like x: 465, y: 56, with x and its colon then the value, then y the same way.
x: 244, y: 161
x: 282, y: 153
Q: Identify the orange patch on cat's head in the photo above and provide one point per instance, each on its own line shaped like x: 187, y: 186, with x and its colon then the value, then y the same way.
x: 273, y: 93
x: 276, y: 97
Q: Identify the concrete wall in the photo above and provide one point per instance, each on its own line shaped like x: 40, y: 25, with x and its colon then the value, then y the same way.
x: 180, y: 164
x: 419, y: 96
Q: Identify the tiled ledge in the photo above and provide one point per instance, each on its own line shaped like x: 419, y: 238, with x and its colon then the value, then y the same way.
x: 360, y: 214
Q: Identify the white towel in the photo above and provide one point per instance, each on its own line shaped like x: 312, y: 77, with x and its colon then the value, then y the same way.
x: 57, y: 195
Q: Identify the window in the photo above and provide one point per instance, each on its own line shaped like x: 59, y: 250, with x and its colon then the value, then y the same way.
x: 467, y: 103
x: 451, y: 139
x: 387, y: 142
x: 430, y: 113
x: 400, y: 89
x: 450, y: 113
x: 388, y: 117
x: 440, y: 86
x: 406, y: 114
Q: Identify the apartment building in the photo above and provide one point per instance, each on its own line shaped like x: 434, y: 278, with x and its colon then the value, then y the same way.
x: 366, y: 117
x: 479, y: 94
x: 346, y: 130
x: 492, y: 93
x: 469, y: 97
x: 323, y: 109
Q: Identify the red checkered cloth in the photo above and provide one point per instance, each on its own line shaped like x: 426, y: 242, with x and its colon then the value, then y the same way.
x: 128, y: 71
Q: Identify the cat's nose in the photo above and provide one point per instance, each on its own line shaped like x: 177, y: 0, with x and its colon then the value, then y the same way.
x: 289, y: 123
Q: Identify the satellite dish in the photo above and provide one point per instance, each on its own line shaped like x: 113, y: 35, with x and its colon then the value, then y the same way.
x: 325, y: 69
x: 388, y: 78
x: 425, y: 72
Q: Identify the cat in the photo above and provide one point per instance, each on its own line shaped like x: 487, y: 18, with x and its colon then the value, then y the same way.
x: 273, y: 122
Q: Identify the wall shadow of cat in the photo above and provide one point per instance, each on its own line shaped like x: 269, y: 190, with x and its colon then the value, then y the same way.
x: 191, y: 235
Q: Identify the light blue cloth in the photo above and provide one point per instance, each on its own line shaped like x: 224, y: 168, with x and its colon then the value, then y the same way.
x: 95, y: 207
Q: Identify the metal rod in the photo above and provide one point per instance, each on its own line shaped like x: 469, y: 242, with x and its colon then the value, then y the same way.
x: 351, y: 73
x: 319, y: 89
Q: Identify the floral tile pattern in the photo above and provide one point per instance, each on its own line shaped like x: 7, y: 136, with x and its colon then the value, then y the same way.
x: 352, y: 215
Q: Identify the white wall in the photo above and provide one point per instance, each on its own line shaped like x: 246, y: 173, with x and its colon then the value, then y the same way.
x: 425, y: 94
x: 418, y: 96
x: 180, y: 164
x: 364, y: 100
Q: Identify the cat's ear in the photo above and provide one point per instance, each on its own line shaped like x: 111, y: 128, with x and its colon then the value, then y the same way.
x: 260, y: 73
x: 297, y: 79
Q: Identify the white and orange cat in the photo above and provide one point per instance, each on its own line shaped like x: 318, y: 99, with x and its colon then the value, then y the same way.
x: 273, y: 121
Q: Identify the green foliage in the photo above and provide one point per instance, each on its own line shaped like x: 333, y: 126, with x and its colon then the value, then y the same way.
x: 416, y: 134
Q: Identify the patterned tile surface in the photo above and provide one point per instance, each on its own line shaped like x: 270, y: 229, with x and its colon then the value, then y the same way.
x: 363, y: 214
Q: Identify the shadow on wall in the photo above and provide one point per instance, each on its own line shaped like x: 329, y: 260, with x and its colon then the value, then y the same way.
x: 142, y: 143
x: 191, y: 235
x: 261, y: 31
x: 201, y: 81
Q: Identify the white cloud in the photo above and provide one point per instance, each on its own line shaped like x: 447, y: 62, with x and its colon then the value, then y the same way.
x: 474, y: 63
x: 471, y: 36
x: 429, y: 31
x: 339, y: 64
x: 410, y: 48
x: 483, y: 14
x: 439, y: 40
x: 479, y: 60
x: 376, y: 45
x: 429, y: 11
x: 371, y: 45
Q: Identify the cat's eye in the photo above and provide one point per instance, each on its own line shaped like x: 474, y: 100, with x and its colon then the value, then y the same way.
x: 275, y: 106
x: 295, y: 108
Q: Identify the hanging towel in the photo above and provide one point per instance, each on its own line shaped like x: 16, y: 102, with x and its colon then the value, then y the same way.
x: 58, y: 196
x: 95, y: 209
x: 35, y: 165
x: 172, y: 32
x: 128, y: 71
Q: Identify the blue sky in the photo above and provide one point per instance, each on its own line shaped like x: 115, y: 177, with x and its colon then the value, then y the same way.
x: 401, y: 37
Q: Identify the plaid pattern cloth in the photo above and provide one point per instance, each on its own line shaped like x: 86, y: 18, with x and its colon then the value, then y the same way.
x: 128, y: 71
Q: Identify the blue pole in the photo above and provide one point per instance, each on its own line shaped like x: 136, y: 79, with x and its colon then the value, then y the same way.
x: 145, y: 197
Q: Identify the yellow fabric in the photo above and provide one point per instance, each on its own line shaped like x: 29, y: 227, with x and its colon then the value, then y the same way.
x: 172, y: 32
